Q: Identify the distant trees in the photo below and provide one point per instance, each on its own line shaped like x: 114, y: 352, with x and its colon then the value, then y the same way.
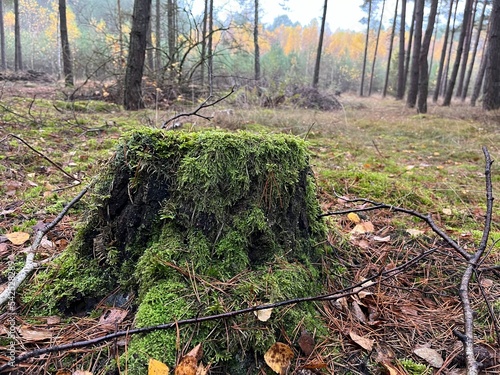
x: 3, y: 60
x: 365, y: 54
x: 491, y: 98
x: 132, y: 97
x: 320, y: 46
x: 18, y: 59
x: 66, y: 52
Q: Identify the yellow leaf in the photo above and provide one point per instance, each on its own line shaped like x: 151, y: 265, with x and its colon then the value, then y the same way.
x: 278, y: 357
x: 353, y: 217
x: 18, y: 238
x: 157, y: 368
x: 187, y: 366
x: 263, y: 315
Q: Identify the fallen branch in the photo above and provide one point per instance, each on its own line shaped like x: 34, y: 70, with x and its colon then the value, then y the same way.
x: 352, y: 290
x: 204, y: 104
x: 30, y: 264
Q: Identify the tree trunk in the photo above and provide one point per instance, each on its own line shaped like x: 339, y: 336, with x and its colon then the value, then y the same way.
x: 171, y: 36
x: 401, y: 56
x: 460, y: 48
x: 256, y: 41
x: 423, y: 86
x: 391, y: 45
x: 320, y: 47
x: 415, y: 59
x: 203, y: 44
x: 66, y: 52
x: 210, y: 58
x: 150, y: 61
x: 3, y: 62
x: 444, y: 82
x: 410, y: 47
x: 376, y: 49
x: 365, y: 55
x: 158, y: 65
x: 120, y: 32
x: 474, y: 53
x: 18, y: 59
x: 465, y: 57
x: 132, y: 99
x: 491, y: 98
x: 482, y: 69
x: 443, y: 55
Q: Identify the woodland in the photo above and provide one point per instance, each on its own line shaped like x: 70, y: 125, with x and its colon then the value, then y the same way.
x: 186, y: 189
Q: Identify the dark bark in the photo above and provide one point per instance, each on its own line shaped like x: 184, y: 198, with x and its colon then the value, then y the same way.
x: 465, y: 57
x: 411, y: 99
x: 150, y: 62
x: 491, y: 98
x: 120, y: 31
x: 370, y: 87
x: 66, y: 52
x: 132, y: 99
x: 444, y: 82
x: 18, y: 59
x: 365, y: 55
x: 482, y: 69
x: 172, y: 37
x: 443, y: 55
x: 256, y: 41
x: 204, y: 44
x: 320, y: 47
x: 210, y: 60
x: 3, y: 62
x: 474, y: 53
x: 423, y: 85
x: 409, y: 48
x: 158, y: 65
x: 391, y: 45
x: 401, y: 56
x: 460, y: 48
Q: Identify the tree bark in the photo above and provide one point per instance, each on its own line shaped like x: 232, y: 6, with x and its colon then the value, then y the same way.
x: 444, y: 82
x: 401, y: 57
x: 3, y: 62
x: 415, y: 59
x: 18, y: 59
x: 320, y: 47
x: 210, y: 59
x: 465, y: 57
x: 391, y: 45
x: 491, y: 99
x: 423, y: 86
x: 409, y: 48
x: 66, y: 52
x: 132, y: 99
x: 460, y: 48
x: 158, y: 65
x: 120, y: 32
x: 482, y: 69
x: 474, y: 53
x: 203, y: 44
x: 443, y: 55
x: 376, y: 49
x: 171, y: 36
x: 365, y: 55
x: 256, y: 42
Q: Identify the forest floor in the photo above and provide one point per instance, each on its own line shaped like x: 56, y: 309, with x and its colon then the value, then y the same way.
x: 373, y: 148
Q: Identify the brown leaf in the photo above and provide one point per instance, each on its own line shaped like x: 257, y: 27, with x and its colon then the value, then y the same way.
x: 278, y: 357
x: 357, y: 312
x: 391, y: 369
x: 18, y: 238
x: 63, y: 372
x: 4, y: 249
x: 82, y: 372
x: 157, y: 368
x: 196, y: 352
x: 364, y: 342
x: 431, y: 356
x: 306, y: 343
x: 35, y: 334
x: 112, y: 317
x: 51, y: 320
x: 187, y: 366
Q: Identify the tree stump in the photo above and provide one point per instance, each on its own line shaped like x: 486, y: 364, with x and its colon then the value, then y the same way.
x: 196, y: 224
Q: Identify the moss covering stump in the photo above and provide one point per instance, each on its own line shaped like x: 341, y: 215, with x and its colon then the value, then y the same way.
x: 195, y: 224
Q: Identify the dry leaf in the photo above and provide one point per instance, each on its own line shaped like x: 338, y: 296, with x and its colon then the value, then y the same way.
x: 187, y: 366
x: 202, y: 370
x: 63, y: 372
x: 157, y: 368
x: 357, y: 312
x: 447, y: 211
x: 353, y: 217
x: 4, y: 249
x: 196, y: 352
x: 486, y: 283
x: 432, y: 357
x: 391, y: 369
x: 415, y: 232
x: 51, y: 320
x: 18, y: 238
x: 278, y: 357
x: 382, y: 239
x: 112, y: 317
x: 82, y: 372
x: 364, y: 342
x: 34, y: 334
x: 263, y: 315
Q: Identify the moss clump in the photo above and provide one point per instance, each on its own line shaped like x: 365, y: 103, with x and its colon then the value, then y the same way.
x: 198, y: 224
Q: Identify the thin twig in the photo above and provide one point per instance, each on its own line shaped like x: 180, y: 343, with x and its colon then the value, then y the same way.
x: 354, y: 289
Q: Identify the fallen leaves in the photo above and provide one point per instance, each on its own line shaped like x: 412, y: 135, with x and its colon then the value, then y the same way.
x: 263, y: 315
x: 364, y: 342
x: 431, y: 356
x: 18, y: 238
x: 279, y: 357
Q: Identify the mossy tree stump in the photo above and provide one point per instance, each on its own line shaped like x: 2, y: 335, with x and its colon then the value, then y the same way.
x: 196, y: 224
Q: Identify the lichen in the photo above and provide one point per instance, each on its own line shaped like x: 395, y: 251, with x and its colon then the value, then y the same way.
x: 198, y: 224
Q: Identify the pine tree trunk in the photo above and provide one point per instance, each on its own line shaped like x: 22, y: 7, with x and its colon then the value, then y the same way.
x: 391, y: 45
x: 474, y: 53
x: 460, y: 48
x: 401, y: 56
x: 3, y: 62
x: 256, y: 42
x: 443, y: 55
x: 376, y: 49
x: 411, y: 99
x: 120, y: 31
x: 210, y: 58
x: 465, y: 57
x: 203, y: 45
x: 491, y: 98
x: 66, y: 52
x: 172, y: 36
x: 132, y: 99
x: 320, y: 47
x: 365, y: 55
x: 18, y: 59
x: 423, y: 86
x: 409, y: 48
x: 158, y: 65
x: 482, y: 69
x: 444, y: 82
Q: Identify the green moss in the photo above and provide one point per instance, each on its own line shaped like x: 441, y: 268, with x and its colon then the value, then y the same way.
x: 414, y: 368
